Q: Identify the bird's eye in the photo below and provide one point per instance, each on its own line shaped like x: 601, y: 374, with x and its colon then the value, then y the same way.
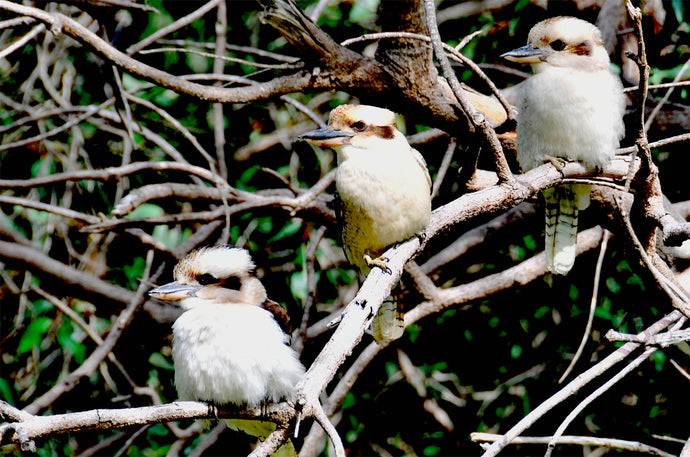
x: 359, y: 126
x: 557, y: 45
x: 206, y: 279
x: 232, y: 282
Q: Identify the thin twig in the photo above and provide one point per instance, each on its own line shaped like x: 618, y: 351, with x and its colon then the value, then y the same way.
x: 574, y: 386
x: 443, y: 168
x: 592, y: 304
x: 178, y: 24
x: 476, y: 118
x: 452, y: 51
x: 91, y: 363
x: 611, y: 443
x: 663, y: 101
x: 22, y: 41
x: 310, y: 299
x: 249, y: 63
x: 66, y: 126
x: 594, y: 395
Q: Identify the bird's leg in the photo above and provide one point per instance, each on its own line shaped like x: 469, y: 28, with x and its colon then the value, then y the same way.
x: 264, y: 408
x: 213, y: 409
x: 558, y: 162
x: 381, y: 262
x: 421, y: 236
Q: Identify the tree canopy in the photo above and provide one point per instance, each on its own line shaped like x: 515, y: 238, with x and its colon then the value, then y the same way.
x: 133, y: 132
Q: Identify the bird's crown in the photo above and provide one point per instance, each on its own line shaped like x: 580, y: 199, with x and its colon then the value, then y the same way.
x: 565, y: 33
x: 218, y: 261
x: 357, y: 117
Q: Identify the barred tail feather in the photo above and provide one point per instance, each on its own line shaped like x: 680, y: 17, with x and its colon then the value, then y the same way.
x: 261, y: 430
x: 562, y: 204
x: 388, y: 324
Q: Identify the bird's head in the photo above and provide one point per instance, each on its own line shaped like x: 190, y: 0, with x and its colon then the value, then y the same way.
x: 359, y: 126
x: 562, y: 42
x: 218, y: 274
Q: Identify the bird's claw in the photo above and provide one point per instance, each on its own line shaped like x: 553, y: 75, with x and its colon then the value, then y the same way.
x: 558, y: 162
x: 381, y: 262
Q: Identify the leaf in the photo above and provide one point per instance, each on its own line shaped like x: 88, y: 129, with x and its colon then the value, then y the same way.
x: 431, y: 450
x: 613, y: 285
x: 298, y: 285
x: 515, y: 351
x: 158, y: 360
x: 6, y: 391
x: 33, y: 335
x: 529, y: 242
x: 541, y: 311
x: 145, y: 211
x: 70, y: 338
x: 293, y: 226
x: 678, y: 10
x: 349, y: 401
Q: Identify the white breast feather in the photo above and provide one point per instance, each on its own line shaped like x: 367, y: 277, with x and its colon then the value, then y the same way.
x: 389, y: 192
x: 233, y: 354
x: 570, y: 114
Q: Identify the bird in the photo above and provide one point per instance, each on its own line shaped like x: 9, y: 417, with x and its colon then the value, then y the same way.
x: 571, y: 109
x: 384, y: 192
x: 230, y: 344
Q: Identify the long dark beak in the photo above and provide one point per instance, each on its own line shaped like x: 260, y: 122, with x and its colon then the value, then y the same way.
x: 174, y: 291
x: 525, y: 54
x: 326, y: 136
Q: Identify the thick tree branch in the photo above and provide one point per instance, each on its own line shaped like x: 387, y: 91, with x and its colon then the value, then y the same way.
x: 59, y: 23
x: 28, y: 427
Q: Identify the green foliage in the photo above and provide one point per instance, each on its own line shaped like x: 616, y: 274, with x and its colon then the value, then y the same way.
x: 431, y: 450
x: 477, y: 360
x: 34, y: 334
x: 158, y: 360
x: 70, y: 338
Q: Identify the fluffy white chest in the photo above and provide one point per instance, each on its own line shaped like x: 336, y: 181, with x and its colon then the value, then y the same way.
x: 572, y: 114
x: 226, y: 353
x: 385, y: 198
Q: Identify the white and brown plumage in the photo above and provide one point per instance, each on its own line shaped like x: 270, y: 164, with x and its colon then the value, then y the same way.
x: 382, y: 183
x: 228, y: 345
x: 571, y: 108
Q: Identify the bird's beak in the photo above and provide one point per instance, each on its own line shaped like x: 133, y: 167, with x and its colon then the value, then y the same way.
x: 174, y: 291
x: 525, y: 54
x: 326, y: 136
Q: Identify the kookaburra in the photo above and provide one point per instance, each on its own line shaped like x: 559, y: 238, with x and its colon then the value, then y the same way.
x: 229, y: 345
x: 384, y: 189
x: 571, y: 108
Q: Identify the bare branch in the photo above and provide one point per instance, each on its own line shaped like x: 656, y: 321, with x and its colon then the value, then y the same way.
x: 574, y: 386
x: 61, y: 23
x: 611, y: 443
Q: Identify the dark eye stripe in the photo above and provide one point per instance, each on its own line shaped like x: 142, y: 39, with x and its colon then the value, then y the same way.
x: 583, y: 49
x: 233, y: 283
x: 557, y: 45
x: 207, y: 279
x: 384, y: 131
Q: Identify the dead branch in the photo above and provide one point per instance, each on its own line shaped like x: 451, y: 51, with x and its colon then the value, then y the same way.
x: 574, y: 386
x: 611, y: 443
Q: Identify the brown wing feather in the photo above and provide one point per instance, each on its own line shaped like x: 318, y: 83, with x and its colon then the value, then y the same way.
x: 279, y: 314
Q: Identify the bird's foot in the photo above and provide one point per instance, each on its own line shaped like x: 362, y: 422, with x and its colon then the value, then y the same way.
x: 421, y: 236
x: 381, y: 262
x: 558, y: 162
x: 264, y: 408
